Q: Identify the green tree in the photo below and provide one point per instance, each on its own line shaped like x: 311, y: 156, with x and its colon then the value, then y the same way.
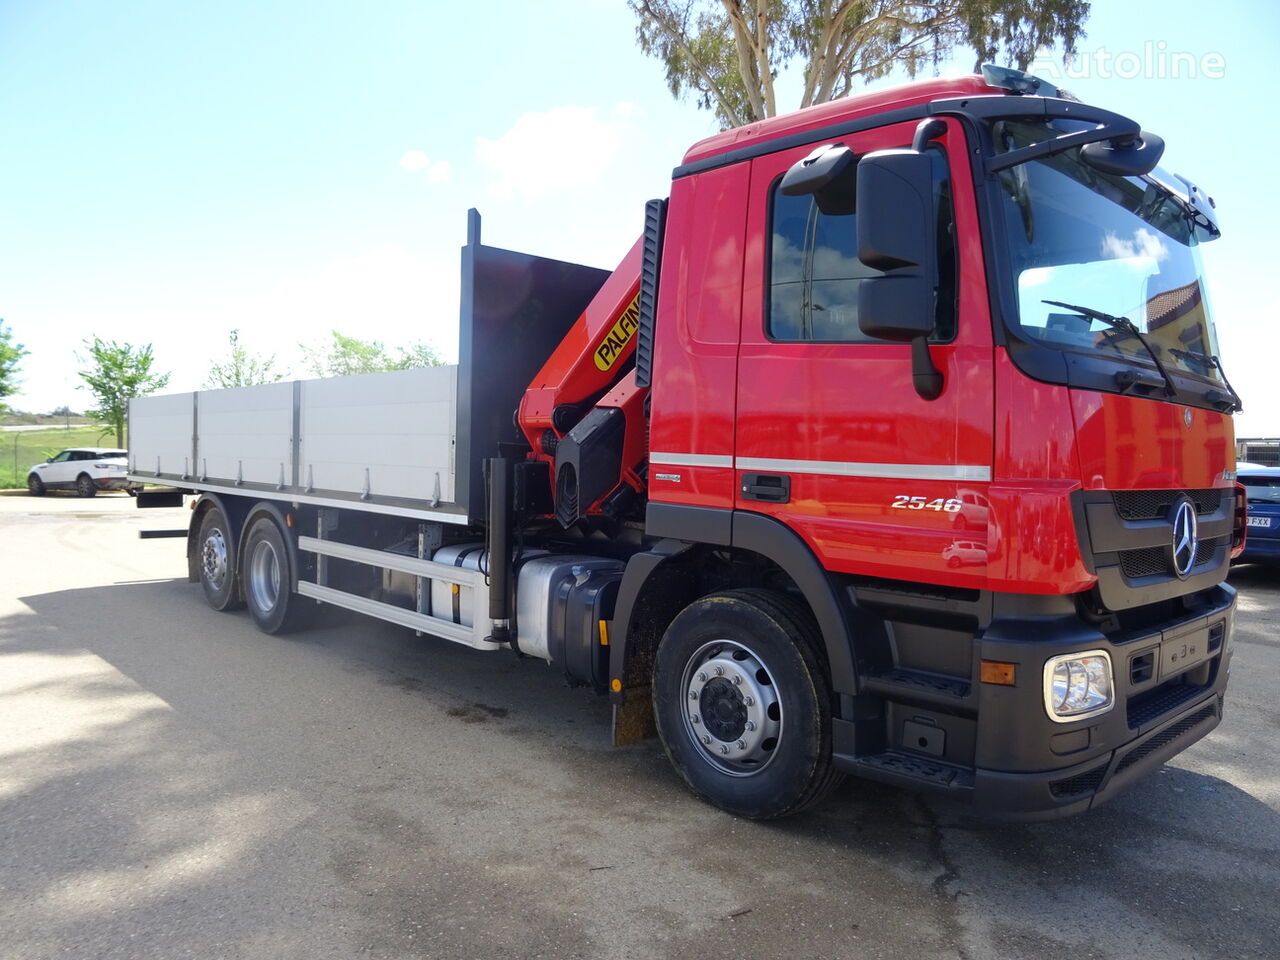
x: 11, y: 355
x: 116, y: 372
x: 729, y: 53
x: 343, y: 356
x: 241, y: 368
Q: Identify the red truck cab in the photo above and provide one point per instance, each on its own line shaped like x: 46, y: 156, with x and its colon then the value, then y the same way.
x: 1007, y: 505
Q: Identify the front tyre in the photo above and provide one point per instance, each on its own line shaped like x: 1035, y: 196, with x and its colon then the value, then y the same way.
x: 35, y: 486
x: 743, y: 703
x: 267, y: 579
x: 216, y: 561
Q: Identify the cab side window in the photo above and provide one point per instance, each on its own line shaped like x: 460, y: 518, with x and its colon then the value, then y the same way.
x: 814, y: 270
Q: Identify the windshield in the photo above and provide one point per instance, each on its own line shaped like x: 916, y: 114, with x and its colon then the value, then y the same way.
x: 1261, y: 489
x: 1113, y: 245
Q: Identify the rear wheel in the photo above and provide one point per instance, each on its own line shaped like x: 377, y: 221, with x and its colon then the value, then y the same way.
x: 743, y: 703
x: 267, y: 579
x: 85, y: 487
x: 217, y: 561
x: 35, y: 486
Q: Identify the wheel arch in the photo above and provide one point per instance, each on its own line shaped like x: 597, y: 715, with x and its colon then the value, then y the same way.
x: 660, y: 582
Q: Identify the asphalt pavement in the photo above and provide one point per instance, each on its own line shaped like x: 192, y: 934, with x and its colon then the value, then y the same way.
x: 175, y: 784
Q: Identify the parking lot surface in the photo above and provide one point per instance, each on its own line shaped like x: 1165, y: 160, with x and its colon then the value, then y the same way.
x: 175, y: 784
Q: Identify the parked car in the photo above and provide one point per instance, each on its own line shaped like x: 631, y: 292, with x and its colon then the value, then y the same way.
x: 1262, y: 492
x: 86, y: 470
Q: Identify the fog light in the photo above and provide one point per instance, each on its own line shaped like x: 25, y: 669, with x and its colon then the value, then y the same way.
x: 1078, y: 685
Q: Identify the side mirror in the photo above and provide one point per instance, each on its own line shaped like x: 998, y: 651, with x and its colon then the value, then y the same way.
x: 896, y: 234
x: 824, y: 174
x: 1132, y: 157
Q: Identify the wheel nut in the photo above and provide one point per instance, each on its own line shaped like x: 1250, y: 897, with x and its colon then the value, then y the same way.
x: 737, y: 679
x: 694, y: 718
x: 724, y: 749
x: 719, y: 671
x: 702, y: 678
x: 742, y: 744
x: 749, y: 701
x: 751, y: 725
x: 706, y: 740
x: 693, y: 694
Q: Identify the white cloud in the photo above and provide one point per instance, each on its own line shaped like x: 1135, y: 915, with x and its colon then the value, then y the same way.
x: 1145, y: 247
x: 439, y: 172
x: 1035, y: 277
x: 415, y: 161
x: 546, y: 153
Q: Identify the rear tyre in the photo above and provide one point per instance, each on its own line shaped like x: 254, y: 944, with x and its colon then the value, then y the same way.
x: 743, y: 703
x: 266, y: 578
x: 85, y: 486
x: 35, y: 486
x: 216, y: 561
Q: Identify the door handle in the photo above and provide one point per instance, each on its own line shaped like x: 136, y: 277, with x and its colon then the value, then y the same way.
x: 766, y: 487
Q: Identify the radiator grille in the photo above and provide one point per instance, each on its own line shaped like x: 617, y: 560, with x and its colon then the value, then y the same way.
x: 1167, y: 736
x: 1081, y: 783
x: 1155, y: 504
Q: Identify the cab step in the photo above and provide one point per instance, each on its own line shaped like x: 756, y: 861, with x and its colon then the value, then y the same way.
x: 918, y: 686
x: 906, y: 769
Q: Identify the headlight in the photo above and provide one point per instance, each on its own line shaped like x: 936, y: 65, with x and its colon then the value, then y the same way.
x: 1078, y: 685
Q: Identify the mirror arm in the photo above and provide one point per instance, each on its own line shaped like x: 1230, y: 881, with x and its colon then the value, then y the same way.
x: 927, y: 130
x: 926, y: 377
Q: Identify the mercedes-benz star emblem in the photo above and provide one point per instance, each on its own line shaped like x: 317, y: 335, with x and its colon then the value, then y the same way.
x: 1185, y: 538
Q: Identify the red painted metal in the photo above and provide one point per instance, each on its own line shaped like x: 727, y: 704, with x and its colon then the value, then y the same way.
x: 724, y: 394
x: 854, y: 403
x: 696, y: 347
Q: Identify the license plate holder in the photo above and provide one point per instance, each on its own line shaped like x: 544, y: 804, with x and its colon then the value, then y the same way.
x: 1182, y: 653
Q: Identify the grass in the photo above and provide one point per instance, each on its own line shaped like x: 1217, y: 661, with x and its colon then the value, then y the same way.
x: 19, y: 449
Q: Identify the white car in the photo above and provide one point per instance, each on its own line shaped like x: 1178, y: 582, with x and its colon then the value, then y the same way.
x: 86, y: 470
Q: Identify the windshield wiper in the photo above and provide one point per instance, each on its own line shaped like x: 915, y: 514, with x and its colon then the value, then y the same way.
x: 1126, y: 378
x: 1215, y: 397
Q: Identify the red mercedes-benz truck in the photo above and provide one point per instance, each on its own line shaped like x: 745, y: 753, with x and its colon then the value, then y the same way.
x: 898, y: 446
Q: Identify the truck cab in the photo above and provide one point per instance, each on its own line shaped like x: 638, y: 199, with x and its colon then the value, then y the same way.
x: 1023, y: 563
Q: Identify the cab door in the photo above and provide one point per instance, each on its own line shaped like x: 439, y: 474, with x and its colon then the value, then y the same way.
x: 831, y: 436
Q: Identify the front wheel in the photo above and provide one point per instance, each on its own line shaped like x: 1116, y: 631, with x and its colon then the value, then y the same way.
x: 85, y: 486
x: 743, y: 703
x: 35, y: 486
x: 267, y: 579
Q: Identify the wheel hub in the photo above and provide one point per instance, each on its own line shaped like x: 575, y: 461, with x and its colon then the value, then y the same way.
x: 213, y: 559
x: 723, y: 711
x: 734, y: 714
x: 264, y: 576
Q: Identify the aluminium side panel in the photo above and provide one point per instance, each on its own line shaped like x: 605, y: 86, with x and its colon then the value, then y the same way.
x: 246, y: 434
x: 161, y: 429
x: 380, y: 436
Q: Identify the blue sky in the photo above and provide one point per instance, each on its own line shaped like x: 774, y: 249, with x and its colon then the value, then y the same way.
x: 172, y: 171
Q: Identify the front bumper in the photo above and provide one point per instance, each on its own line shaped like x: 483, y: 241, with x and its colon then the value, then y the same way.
x: 1061, y: 793
x: 995, y: 746
x: 1029, y: 767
